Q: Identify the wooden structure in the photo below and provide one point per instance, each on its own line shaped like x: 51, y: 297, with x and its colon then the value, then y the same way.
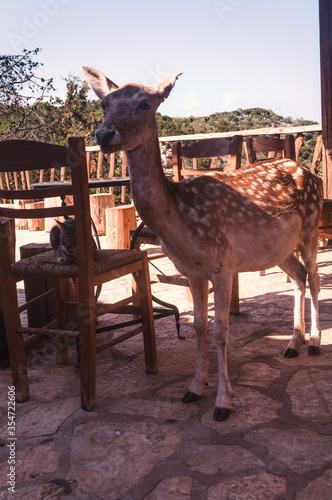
x: 100, y: 170
x: 89, y: 272
x: 325, y: 20
x: 208, y: 148
x: 100, y: 203
x: 7, y: 230
x: 278, y: 132
x: 274, y: 146
x: 119, y: 221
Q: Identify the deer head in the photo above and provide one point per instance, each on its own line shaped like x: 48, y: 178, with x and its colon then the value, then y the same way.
x: 129, y: 110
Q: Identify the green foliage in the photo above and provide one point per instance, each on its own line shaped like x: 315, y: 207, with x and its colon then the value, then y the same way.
x: 76, y: 115
x: 227, y: 121
x: 21, y: 94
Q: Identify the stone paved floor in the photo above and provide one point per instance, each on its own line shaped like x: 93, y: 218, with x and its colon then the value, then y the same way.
x: 140, y: 441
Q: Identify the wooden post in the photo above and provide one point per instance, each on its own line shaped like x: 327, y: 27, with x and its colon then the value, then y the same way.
x: 36, y: 224
x: 298, y: 145
x: 7, y: 226
x: 176, y: 161
x: 123, y: 173
x: 100, y: 165
x: 325, y: 18
x: 112, y: 171
x: 98, y: 205
x: 9, y: 305
x: 317, y: 157
x: 21, y: 223
x: 7, y: 229
x: 88, y: 162
x: 119, y: 221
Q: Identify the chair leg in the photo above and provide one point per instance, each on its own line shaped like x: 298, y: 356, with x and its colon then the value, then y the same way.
x: 11, y: 316
x: 150, y: 352
x: 87, y: 320
x: 68, y: 291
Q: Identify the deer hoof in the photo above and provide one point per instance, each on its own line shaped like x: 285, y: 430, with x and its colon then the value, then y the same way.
x: 314, y: 350
x: 221, y: 414
x: 190, y: 397
x: 291, y: 353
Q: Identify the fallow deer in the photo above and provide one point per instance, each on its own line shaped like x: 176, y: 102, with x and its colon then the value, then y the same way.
x: 216, y: 225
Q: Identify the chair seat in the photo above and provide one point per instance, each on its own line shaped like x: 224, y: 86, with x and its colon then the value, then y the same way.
x: 45, y: 263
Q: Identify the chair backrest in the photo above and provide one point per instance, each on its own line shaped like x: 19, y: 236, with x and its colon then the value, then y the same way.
x: 206, y: 148
x: 274, y: 146
x: 20, y: 155
x: 23, y: 179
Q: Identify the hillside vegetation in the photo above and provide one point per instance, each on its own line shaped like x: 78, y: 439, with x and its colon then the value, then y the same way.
x: 240, y: 119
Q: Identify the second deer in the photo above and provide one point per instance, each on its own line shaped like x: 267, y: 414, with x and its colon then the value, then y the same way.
x: 216, y: 225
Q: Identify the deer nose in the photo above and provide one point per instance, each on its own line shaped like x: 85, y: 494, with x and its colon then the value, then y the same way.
x: 104, y: 138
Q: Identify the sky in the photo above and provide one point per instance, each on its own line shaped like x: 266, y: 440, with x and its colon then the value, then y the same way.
x: 233, y: 53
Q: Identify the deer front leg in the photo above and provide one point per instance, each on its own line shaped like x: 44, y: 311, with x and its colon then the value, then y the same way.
x: 199, y: 289
x: 222, y: 284
x: 297, y: 273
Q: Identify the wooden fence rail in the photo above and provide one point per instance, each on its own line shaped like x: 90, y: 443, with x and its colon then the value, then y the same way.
x: 101, y: 171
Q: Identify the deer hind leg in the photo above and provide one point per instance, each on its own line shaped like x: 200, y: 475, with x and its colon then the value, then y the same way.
x: 222, y: 283
x: 297, y: 273
x: 309, y: 256
x: 199, y: 289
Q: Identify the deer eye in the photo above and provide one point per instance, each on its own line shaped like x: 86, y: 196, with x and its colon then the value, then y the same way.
x: 103, y: 107
x: 145, y: 104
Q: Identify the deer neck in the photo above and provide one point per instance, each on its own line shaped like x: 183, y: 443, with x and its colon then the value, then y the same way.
x: 149, y: 186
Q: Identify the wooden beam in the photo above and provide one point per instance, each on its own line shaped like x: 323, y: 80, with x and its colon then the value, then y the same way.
x: 325, y: 18
x: 244, y: 133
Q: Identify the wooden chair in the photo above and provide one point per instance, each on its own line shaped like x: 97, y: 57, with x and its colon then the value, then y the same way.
x: 286, y: 148
x: 206, y: 148
x: 17, y: 155
x: 274, y: 146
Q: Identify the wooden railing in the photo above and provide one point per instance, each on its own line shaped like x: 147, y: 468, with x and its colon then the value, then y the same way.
x: 111, y: 168
x: 298, y: 132
x: 250, y: 132
x: 100, y: 169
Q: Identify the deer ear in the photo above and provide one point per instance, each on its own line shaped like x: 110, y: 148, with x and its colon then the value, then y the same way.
x: 101, y: 85
x: 164, y: 87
